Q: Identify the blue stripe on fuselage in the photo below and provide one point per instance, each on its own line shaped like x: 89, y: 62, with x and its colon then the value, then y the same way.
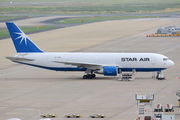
x: 84, y: 69
x: 56, y: 68
x: 141, y: 69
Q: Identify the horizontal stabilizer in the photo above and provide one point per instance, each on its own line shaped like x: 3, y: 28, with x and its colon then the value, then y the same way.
x: 17, y: 59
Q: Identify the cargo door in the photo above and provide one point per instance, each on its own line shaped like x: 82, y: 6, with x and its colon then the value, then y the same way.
x: 153, y: 61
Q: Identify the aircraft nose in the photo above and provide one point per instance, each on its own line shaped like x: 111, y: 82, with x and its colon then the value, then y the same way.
x: 171, y: 63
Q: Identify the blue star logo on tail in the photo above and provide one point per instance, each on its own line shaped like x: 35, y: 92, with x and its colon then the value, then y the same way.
x: 22, y: 36
x: 21, y: 41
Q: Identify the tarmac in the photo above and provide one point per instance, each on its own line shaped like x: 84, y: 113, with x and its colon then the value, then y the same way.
x: 24, y: 89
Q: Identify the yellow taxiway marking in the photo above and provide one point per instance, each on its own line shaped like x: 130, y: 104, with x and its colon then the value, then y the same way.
x: 118, y: 99
x: 115, y: 112
x: 91, y: 112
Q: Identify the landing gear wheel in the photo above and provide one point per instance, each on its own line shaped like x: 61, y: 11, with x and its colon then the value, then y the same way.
x: 93, y: 75
x: 89, y: 76
x: 85, y: 77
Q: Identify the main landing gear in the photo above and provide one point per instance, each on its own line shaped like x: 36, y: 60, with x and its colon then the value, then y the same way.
x: 89, y: 76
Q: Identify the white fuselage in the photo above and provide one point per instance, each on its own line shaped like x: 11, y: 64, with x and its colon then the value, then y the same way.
x: 141, y: 62
x: 109, y: 64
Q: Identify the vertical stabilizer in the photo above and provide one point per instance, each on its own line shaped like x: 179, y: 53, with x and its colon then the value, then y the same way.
x: 21, y: 42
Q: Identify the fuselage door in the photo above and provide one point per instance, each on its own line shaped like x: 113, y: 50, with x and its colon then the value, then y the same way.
x: 153, y: 61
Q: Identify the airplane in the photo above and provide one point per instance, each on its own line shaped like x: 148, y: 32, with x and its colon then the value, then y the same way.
x: 107, y: 64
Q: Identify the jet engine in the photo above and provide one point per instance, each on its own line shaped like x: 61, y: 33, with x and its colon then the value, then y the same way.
x: 108, y: 71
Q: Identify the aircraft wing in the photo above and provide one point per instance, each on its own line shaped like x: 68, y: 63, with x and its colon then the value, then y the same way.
x: 18, y: 59
x: 91, y: 66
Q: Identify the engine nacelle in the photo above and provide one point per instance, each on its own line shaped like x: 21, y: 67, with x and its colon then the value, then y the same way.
x: 108, y: 71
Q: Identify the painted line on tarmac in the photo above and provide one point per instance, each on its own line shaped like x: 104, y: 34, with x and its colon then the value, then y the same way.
x: 13, y: 67
x: 16, y: 71
x: 122, y: 39
x: 116, y: 41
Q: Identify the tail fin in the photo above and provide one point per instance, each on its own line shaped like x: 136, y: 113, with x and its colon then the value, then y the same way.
x: 21, y: 42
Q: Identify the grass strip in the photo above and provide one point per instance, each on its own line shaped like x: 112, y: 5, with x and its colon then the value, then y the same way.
x: 10, y: 17
x: 99, y: 18
x: 5, y: 32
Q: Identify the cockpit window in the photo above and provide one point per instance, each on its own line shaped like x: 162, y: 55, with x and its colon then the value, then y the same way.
x: 165, y: 59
